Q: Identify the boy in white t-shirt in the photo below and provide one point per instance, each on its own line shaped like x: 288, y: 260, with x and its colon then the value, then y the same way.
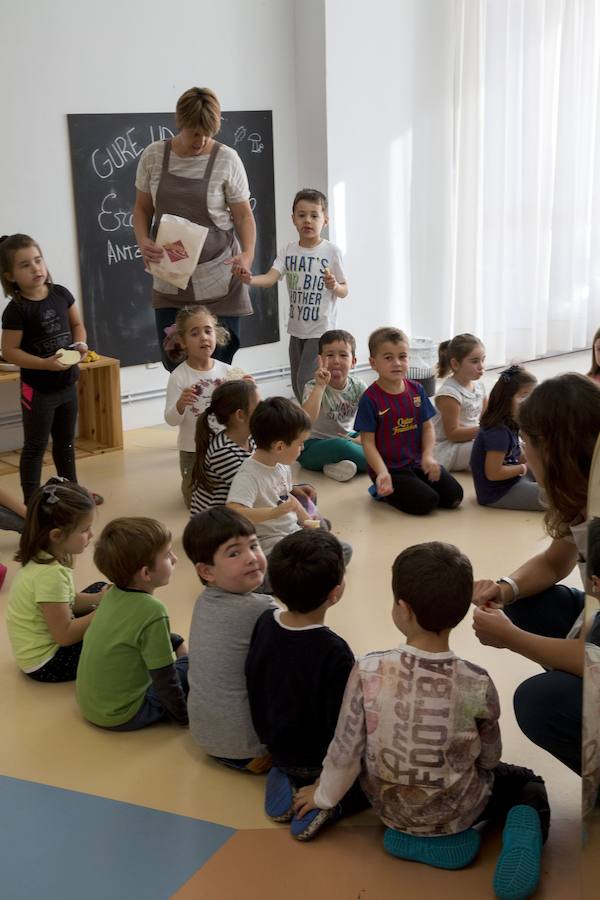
x: 315, y: 281
x: 261, y: 489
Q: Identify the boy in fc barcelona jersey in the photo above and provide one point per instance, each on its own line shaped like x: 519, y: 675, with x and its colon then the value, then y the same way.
x: 394, y: 420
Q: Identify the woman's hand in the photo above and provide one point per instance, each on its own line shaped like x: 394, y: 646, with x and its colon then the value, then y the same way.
x: 430, y: 467
x: 241, y: 265
x: 493, y: 627
x: 487, y: 593
x: 151, y: 252
x: 304, y: 800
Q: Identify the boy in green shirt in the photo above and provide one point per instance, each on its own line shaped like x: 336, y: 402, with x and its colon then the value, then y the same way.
x: 127, y: 677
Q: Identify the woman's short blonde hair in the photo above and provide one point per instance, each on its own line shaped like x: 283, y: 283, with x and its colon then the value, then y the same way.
x: 199, y: 108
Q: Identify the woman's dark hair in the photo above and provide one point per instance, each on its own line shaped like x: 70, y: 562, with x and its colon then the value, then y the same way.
x: 277, y: 419
x: 9, y: 244
x: 499, y: 408
x: 226, y: 399
x: 458, y: 348
x: 595, y: 370
x: 561, y: 419
x: 57, y: 504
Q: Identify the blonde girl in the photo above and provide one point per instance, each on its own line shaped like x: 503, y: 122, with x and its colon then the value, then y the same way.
x: 219, y: 455
x: 460, y: 400
x: 45, y: 635
x: 40, y: 321
x: 191, y: 384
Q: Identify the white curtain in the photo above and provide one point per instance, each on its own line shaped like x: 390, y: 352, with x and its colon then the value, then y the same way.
x: 525, y: 243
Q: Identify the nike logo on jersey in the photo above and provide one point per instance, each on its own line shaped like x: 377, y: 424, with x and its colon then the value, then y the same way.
x: 382, y: 412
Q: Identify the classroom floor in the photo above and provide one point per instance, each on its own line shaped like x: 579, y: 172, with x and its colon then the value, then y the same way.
x: 90, y: 813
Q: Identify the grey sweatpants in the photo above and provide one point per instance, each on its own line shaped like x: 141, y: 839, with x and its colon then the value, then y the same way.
x: 525, y: 494
x: 303, y: 362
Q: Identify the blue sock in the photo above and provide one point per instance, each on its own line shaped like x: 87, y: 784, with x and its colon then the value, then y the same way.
x: 518, y: 868
x: 447, y: 851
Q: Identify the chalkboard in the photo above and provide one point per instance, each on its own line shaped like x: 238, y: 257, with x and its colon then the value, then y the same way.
x: 105, y: 151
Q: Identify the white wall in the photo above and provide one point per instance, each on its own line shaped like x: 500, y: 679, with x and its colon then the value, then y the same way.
x: 134, y: 56
x: 389, y: 131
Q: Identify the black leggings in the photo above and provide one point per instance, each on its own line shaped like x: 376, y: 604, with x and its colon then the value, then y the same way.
x: 44, y: 415
x: 548, y: 706
x: 414, y: 493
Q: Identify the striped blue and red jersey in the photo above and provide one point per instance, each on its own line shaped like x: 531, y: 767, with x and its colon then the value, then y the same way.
x: 397, y: 422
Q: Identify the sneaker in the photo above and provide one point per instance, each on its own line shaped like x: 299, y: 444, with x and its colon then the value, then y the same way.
x: 518, y: 868
x: 279, y: 796
x: 340, y: 471
x: 447, y: 851
x: 308, y: 827
x: 97, y: 498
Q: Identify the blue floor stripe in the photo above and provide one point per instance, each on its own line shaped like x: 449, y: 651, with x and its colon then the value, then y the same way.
x: 66, y: 845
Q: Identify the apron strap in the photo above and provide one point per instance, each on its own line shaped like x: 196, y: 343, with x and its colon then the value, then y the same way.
x: 211, y: 161
x: 166, y: 155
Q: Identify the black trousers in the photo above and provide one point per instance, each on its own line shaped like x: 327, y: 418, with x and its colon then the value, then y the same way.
x: 46, y: 415
x: 548, y: 706
x: 415, y: 494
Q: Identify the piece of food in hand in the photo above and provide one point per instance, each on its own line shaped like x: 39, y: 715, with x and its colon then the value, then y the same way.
x: 236, y: 374
x: 69, y: 357
x: 312, y: 523
x: 90, y: 356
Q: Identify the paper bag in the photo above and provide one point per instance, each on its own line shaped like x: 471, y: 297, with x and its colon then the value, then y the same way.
x: 182, y: 242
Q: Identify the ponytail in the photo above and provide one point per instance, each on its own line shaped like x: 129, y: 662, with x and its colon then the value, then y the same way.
x: 227, y: 399
x: 458, y: 348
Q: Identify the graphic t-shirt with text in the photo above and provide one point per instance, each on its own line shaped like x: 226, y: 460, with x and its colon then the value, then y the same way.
x: 312, y: 306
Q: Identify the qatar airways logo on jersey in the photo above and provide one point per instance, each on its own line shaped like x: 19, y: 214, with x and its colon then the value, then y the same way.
x: 403, y: 425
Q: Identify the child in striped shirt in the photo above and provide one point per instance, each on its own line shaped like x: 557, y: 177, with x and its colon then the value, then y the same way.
x: 219, y: 455
x: 397, y: 435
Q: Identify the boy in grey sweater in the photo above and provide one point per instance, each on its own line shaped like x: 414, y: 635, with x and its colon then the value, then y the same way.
x: 228, y: 559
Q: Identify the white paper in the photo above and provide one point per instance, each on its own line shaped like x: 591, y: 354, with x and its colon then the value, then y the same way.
x: 182, y: 242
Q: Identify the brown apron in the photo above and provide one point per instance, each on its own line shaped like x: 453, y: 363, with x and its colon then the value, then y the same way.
x: 186, y: 197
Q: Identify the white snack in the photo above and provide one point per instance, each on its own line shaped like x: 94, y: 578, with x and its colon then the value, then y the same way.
x: 312, y: 523
x: 69, y: 357
x: 236, y: 374
x: 182, y: 242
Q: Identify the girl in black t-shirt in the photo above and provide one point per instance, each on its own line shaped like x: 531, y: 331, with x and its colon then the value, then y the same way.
x: 39, y: 323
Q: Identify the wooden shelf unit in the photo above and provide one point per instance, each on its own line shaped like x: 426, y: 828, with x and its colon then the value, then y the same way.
x: 99, y: 420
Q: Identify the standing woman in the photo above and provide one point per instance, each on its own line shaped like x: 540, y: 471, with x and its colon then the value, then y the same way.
x: 560, y: 423
x: 194, y: 176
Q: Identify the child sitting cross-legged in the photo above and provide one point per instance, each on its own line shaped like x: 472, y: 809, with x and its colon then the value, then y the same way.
x: 420, y: 727
x: 296, y: 672
x: 228, y: 559
x: 331, y: 401
x: 394, y: 420
x: 127, y: 678
x: 261, y: 488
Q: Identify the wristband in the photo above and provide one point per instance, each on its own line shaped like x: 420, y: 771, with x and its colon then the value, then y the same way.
x: 506, y: 579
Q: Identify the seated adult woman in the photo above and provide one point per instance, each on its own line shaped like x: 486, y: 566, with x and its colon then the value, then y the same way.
x: 194, y: 176
x: 528, y: 611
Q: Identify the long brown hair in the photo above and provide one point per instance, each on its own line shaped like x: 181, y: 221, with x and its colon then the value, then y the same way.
x: 226, y: 399
x: 57, y: 504
x: 561, y: 418
x: 499, y: 408
x: 9, y: 244
x: 595, y: 370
